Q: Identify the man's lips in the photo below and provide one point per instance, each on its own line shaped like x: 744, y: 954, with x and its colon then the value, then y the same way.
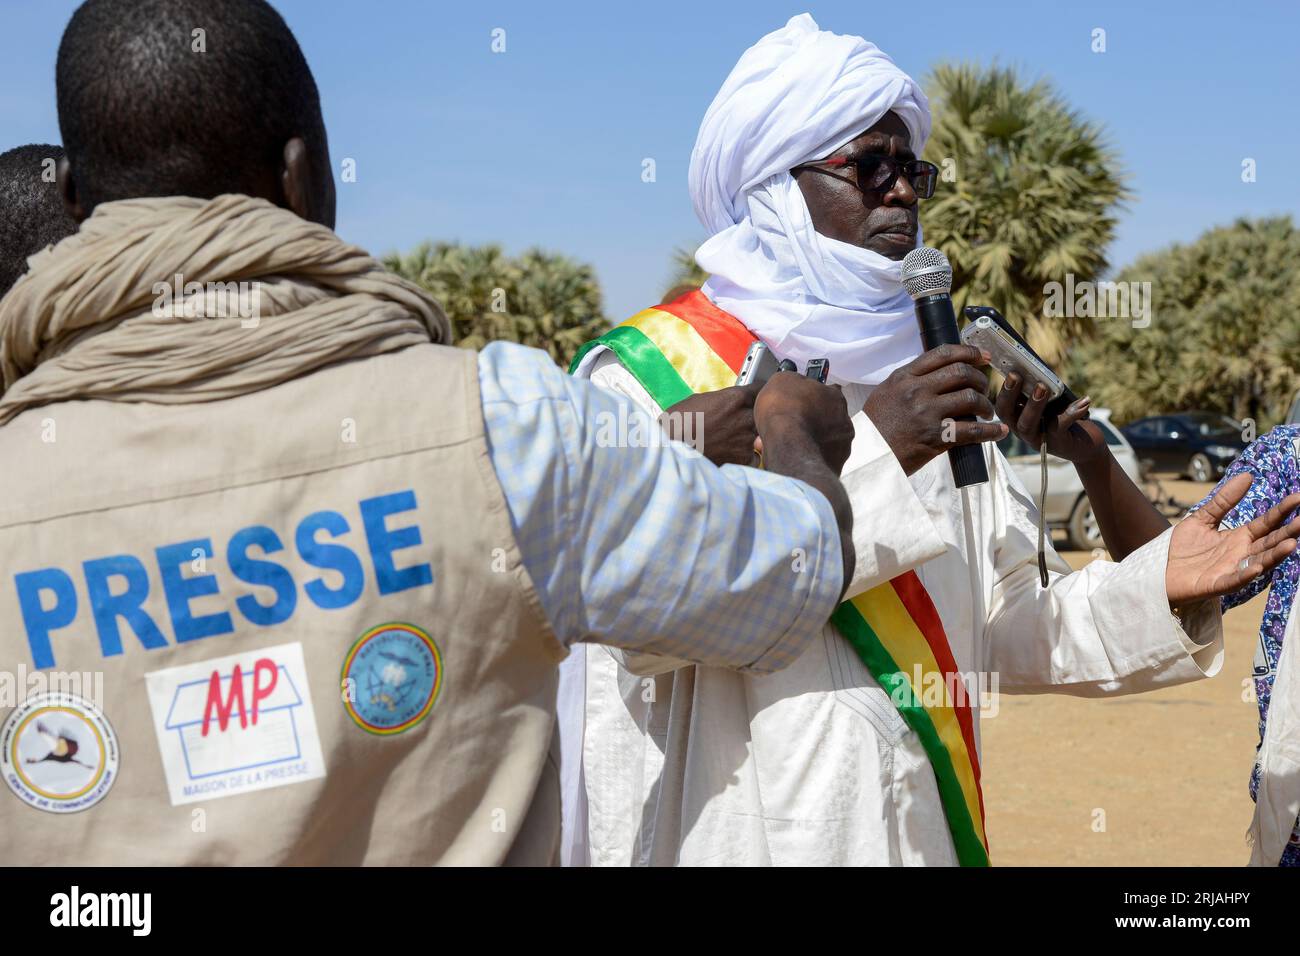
x: 897, y: 236
x: 898, y: 230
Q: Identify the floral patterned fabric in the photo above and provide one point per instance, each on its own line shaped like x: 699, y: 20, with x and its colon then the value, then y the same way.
x: 1272, y: 460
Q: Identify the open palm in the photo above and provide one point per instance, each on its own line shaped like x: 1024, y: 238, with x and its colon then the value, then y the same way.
x: 1205, y: 562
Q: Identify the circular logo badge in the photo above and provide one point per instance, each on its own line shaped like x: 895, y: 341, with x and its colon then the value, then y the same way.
x: 58, y: 753
x: 391, y: 678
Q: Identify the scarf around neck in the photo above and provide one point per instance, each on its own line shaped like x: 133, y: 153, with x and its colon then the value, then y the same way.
x: 178, y: 300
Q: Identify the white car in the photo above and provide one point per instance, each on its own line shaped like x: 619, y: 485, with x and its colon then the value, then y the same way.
x: 1067, y: 506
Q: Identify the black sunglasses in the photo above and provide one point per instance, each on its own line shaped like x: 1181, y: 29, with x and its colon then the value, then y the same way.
x: 877, y: 173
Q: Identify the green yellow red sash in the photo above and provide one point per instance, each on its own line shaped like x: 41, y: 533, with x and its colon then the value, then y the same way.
x: 690, y: 345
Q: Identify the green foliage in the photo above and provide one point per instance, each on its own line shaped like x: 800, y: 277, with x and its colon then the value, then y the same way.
x: 540, y: 299
x: 1224, y: 333
x: 686, y: 271
x: 1034, y: 195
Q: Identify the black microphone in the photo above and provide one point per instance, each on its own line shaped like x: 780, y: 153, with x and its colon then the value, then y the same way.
x: 927, y: 276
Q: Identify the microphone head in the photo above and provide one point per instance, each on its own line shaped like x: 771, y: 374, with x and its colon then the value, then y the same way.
x: 926, y: 272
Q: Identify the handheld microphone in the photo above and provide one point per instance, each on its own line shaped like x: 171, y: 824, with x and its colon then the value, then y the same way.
x: 927, y: 276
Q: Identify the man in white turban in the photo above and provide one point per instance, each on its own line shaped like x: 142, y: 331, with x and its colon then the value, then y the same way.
x: 866, y: 750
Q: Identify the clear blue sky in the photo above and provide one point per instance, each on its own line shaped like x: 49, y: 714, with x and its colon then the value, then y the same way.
x: 543, y: 144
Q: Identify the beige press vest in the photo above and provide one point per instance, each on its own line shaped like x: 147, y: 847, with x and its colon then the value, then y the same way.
x: 291, y: 627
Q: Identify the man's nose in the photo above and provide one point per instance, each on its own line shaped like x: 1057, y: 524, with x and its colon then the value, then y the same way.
x: 901, y: 193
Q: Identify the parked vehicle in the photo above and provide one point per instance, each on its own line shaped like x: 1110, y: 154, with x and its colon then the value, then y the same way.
x: 1199, y: 445
x: 1066, y: 505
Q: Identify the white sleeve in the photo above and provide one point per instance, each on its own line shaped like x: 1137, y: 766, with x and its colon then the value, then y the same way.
x: 1104, y: 630
x: 607, y: 372
x: 892, y: 531
x: 1278, y: 801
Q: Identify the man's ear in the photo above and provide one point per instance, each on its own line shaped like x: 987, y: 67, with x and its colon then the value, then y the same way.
x: 303, y: 195
x: 68, y: 190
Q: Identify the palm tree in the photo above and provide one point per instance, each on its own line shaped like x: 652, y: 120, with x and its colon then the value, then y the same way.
x: 686, y: 271
x: 556, y: 304
x: 1028, y: 193
x: 540, y: 299
x: 1224, y: 331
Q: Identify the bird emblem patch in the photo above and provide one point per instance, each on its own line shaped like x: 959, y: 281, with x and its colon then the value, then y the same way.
x: 391, y: 678
x: 58, y: 753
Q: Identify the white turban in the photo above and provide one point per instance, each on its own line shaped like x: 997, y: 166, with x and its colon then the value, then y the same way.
x: 798, y: 95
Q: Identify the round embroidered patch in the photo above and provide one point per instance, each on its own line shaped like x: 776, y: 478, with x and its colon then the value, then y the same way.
x: 58, y: 753
x: 391, y: 678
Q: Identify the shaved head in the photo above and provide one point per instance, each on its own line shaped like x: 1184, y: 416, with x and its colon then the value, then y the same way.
x: 32, y: 215
x: 188, y: 98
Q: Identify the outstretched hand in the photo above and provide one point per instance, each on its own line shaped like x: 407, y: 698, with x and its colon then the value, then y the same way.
x: 1206, y: 562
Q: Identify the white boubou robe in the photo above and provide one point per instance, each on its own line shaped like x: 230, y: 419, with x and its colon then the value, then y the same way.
x: 1277, y: 804
x: 813, y: 765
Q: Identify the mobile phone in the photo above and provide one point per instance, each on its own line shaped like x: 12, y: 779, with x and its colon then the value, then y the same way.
x: 988, y: 330
x: 759, y: 365
x: 818, y: 369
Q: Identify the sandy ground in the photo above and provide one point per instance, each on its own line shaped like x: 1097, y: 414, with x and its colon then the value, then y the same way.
x: 1156, y: 779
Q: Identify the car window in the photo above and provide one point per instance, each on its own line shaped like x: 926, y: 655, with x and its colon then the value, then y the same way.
x: 1221, y: 425
x: 1108, y: 430
x: 1143, y: 429
x: 1208, y: 423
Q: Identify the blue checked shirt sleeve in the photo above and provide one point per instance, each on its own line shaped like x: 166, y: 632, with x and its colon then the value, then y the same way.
x: 652, y: 548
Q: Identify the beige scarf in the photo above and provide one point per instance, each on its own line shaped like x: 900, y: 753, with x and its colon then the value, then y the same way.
x: 97, y: 316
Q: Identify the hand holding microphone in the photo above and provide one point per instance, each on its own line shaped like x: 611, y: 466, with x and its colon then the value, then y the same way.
x: 929, y: 406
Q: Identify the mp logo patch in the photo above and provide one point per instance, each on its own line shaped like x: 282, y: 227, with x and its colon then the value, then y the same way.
x: 235, y: 724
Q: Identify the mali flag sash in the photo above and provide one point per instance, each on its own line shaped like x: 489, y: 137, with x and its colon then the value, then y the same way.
x: 690, y: 345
